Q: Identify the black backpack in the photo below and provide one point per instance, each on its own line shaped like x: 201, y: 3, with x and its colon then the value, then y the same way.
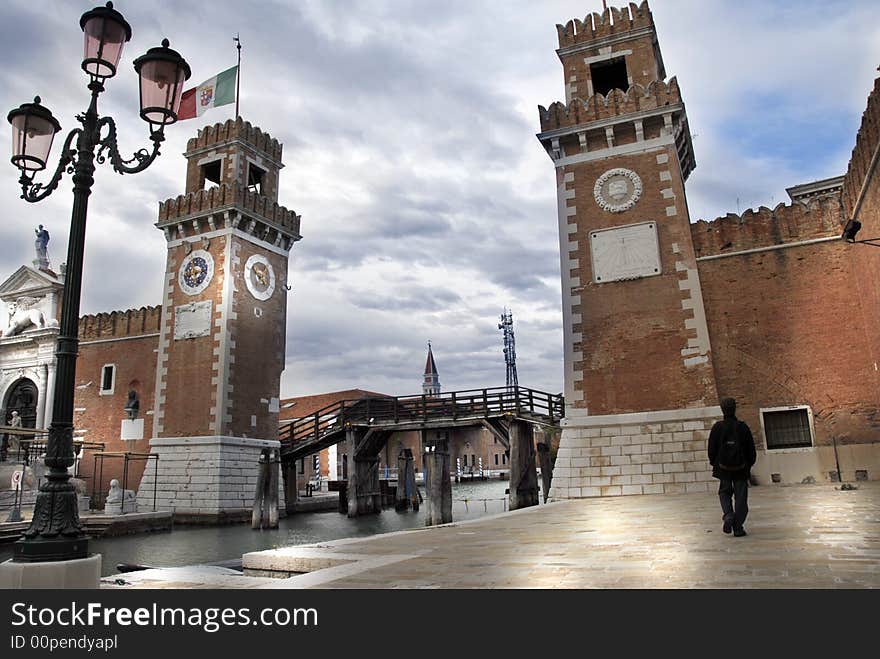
x: 731, y: 456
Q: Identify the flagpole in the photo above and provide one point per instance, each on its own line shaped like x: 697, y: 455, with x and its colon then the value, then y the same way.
x: 237, y: 74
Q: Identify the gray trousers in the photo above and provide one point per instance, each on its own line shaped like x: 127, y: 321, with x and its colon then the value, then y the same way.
x: 734, y: 495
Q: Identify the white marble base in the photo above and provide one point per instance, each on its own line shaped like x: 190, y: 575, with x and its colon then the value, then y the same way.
x: 657, y: 452
x: 204, y: 476
x: 78, y: 573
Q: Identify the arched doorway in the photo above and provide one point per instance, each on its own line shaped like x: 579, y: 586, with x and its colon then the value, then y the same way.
x: 22, y: 398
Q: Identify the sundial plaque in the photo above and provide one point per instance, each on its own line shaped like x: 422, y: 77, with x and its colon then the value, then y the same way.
x: 627, y: 252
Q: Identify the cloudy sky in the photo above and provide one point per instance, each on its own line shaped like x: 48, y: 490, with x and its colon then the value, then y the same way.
x: 408, y: 128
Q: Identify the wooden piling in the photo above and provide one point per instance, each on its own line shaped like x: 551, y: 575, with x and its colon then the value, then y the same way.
x: 544, y: 461
x: 291, y: 492
x: 407, y: 492
x: 523, y: 490
x: 272, y: 494
x: 262, y: 474
x: 438, y: 484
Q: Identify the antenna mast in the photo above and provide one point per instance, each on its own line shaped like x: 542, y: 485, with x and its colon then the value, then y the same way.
x: 506, y: 325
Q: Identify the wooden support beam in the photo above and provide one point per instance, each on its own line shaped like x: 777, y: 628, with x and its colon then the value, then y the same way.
x: 523, y: 470
x: 363, y: 476
x: 438, y: 509
x: 544, y: 462
x: 291, y: 492
x: 408, y: 494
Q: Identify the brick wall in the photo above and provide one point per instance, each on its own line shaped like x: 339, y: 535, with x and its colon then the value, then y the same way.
x: 129, y: 341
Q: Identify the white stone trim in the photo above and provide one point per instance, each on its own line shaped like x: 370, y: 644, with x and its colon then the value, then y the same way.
x: 771, y: 248
x: 108, y: 392
x: 788, y: 408
x: 232, y: 231
x: 635, y: 418
x: 626, y: 149
x: 120, y: 338
x: 219, y: 440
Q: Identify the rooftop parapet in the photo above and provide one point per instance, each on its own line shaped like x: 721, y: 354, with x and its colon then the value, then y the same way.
x: 228, y: 197
x: 120, y: 324
x: 610, y: 22
x: 765, y: 227
x: 616, y: 103
x: 864, y: 157
x: 236, y: 129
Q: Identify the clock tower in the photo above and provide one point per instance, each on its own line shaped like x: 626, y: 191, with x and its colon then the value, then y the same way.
x: 638, y: 363
x: 222, y: 339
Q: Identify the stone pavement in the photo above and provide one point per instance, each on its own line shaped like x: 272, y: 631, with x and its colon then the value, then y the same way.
x: 804, y: 536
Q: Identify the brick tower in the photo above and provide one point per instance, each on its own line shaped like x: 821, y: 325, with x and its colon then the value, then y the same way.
x: 222, y: 343
x: 639, y: 382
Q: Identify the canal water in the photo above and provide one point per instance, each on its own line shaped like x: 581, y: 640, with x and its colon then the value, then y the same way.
x: 189, y: 545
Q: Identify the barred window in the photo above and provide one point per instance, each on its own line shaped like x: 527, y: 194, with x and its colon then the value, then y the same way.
x: 787, y: 429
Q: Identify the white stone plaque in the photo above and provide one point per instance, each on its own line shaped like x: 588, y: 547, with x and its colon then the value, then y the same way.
x: 132, y: 429
x: 192, y: 320
x: 627, y: 252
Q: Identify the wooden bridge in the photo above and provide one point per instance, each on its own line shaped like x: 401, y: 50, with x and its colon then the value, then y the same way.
x: 366, y: 424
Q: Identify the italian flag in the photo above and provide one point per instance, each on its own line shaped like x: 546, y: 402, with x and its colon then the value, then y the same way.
x: 219, y: 90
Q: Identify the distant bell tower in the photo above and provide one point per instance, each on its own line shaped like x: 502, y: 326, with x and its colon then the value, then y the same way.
x: 635, y: 334
x: 431, y: 384
x: 222, y: 341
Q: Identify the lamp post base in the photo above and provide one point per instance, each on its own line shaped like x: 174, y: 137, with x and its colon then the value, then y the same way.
x: 30, y: 550
x: 77, y: 573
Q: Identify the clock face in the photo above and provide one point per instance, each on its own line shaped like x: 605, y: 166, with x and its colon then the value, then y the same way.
x: 196, y: 272
x: 617, y: 190
x: 259, y: 277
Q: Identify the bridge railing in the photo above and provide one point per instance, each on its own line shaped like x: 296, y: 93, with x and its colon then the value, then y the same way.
x: 454, y: 406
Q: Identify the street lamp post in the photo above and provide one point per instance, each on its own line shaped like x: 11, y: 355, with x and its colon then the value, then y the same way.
x: 55, y: 533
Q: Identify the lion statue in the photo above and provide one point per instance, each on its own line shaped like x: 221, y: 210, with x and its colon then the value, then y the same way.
x: 21, y: 318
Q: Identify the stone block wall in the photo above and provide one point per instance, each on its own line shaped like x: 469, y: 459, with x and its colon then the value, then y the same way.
x: 204, y: 479
x: 647, y: 453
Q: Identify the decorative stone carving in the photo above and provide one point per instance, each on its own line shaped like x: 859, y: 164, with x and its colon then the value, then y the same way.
x: 259, y: 277
x: 192, y: 320
x: 119, y: 502
x: 617, y: 190
x: 627, y: 252
x: 21, y: 318
x: 196, y: 272
x: 41, y: 245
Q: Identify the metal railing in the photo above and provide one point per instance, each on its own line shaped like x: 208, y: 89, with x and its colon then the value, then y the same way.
x: 455, y: 406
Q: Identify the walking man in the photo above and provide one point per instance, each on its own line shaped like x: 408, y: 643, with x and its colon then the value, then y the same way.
x: 732, y: 455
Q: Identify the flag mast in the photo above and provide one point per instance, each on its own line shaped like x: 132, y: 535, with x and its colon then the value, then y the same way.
x: 238, y: 73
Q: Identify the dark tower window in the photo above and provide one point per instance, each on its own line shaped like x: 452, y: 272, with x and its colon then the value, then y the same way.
x: 211, y: 173
x: 255, y: 178
x: 609, y: 75
x: 108, y: 378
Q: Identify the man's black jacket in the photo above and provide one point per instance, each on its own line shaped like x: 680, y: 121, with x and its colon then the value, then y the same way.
x: 731, y: 424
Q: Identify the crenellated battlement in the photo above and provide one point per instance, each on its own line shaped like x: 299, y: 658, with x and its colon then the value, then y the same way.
x: 610, y: 22
x: 616, y: 103
x: 227, y: 197
x: 236, y: 129
x: 120, y: 324
x: 864, y: 155
x: 765, y: 227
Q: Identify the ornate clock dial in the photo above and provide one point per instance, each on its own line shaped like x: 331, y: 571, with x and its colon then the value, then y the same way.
x: 259, y: 277
x: 617, y: 190
x: 196, y: 272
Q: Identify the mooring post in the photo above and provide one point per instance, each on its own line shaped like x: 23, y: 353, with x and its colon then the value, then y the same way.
x: 401, y: 500
x: 260, y: 491
x: 437, y: 483
x: 546, y: 468
x: 352, y: 485
x: 291, y: 493
x: 273, y: 489
x: 523, y: 470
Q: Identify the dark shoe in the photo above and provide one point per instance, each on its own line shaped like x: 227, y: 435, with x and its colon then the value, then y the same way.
x: 738, y: 533
x: 728, y: 527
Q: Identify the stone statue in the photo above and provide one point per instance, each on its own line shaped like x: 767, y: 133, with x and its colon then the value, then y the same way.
x: 21, y: 317
x: 42, y: 244
x: 133, y: 405
x: 119, y: 501
x: 11, y: 442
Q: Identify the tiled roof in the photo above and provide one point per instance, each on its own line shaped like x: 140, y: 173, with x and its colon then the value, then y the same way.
x: 298, y: 407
